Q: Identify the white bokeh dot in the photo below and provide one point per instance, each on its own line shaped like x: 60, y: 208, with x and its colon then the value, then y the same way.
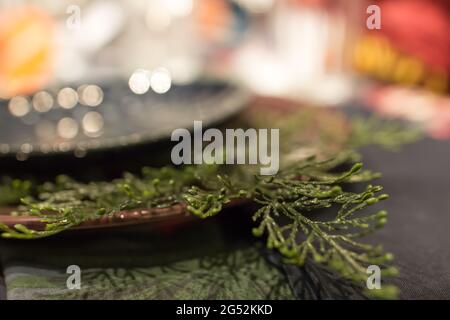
x: 160, y: 80
x: 139, y: 81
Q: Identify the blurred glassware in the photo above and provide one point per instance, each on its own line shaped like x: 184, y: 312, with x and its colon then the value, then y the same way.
x: 299, y: 49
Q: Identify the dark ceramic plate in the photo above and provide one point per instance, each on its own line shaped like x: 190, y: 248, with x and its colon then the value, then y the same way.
x: 175, y: 214
x: 319, y: 121
x: 40, y: 144
x: 29, y: 129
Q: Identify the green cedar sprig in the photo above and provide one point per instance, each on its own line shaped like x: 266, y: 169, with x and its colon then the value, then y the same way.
x: 288, y: 204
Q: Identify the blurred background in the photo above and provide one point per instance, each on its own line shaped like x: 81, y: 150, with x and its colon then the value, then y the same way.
x: 64, y: 55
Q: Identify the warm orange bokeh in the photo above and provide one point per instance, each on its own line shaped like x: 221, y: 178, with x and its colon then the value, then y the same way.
x: 213, y: 17
x: 26, y: 50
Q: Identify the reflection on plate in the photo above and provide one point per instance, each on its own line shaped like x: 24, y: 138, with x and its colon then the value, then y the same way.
x: 77, y: 119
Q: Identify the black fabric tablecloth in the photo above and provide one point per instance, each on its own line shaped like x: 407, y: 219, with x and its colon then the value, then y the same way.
x: 418, y: 230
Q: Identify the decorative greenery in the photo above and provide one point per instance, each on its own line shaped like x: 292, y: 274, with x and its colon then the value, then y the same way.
x: 290, y: 204
x: 386, y: 133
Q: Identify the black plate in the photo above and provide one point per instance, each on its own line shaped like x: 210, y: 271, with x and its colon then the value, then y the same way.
x: 130, y: 122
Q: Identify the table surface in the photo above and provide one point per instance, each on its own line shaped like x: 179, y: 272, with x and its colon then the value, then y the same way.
x: 417, y: 233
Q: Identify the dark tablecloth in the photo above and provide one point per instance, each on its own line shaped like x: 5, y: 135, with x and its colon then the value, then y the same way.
x: 418, y: 232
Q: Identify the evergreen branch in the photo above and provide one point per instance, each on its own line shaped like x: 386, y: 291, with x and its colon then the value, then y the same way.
x: 287, y: 214
x: 386, y: 133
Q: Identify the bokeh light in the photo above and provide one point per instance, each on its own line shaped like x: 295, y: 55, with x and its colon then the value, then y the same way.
x: 160, y: 80
x: 139, y: 81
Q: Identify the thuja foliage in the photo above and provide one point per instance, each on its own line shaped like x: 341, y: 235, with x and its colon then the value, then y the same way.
x: 386, y: 133
x: 287, y: 217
